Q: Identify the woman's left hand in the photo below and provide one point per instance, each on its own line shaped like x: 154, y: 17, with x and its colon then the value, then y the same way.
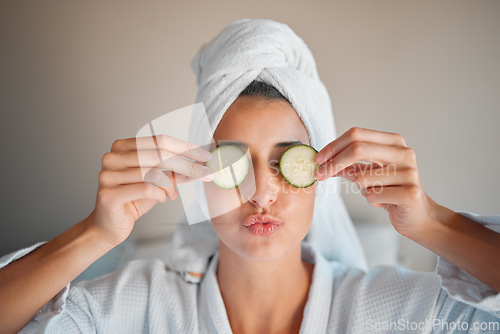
x: 391, y: 180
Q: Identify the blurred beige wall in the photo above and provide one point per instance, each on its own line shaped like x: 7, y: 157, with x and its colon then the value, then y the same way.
x: 75, y: 76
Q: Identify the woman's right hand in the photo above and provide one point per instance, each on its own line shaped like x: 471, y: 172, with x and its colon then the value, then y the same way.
x: 137, y: 174
x: 124, y: 195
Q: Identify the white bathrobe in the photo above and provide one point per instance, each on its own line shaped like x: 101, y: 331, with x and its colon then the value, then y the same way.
x: 147, y: 297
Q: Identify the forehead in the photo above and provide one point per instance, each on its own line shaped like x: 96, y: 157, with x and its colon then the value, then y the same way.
x: 257, y: 121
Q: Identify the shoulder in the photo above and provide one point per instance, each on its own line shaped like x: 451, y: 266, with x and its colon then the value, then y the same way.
x: 385, y: 293
x: 142, y: 294
x: 384, y: 280
x: 140, y: 285
x: 137, y: 272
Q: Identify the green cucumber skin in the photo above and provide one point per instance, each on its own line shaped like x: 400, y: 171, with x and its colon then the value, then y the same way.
x: 246, y: 174
x: 287, y: 180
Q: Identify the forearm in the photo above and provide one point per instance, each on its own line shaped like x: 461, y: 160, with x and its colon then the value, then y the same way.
x: 465, y: 243
x: 27, y: 284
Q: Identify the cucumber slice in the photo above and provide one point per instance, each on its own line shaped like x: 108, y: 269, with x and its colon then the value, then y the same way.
x: 230, y: 165
x: 297, y: 165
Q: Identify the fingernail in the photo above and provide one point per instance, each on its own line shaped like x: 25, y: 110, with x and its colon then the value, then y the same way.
x: 321, y: 170
x: 208, y: 178
x: 319, y: 175
x: 174, y: 196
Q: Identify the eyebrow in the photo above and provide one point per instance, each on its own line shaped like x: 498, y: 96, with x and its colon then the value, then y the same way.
x: 280, y: 144
x: 289, y: 143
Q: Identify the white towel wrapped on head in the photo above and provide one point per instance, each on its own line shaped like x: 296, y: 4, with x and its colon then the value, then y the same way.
x: 267, y: 51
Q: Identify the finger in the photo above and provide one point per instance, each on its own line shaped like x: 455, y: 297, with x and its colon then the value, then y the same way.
x: 404, y: 196
x: 385, y: 176
x: 351, y: 170
x: 176, y: 179
x: 149, y: 159
x: 365, y: 151
x: 117, y: 160
x: 188, y: 168
x: 358, y: 134
x: 120, y: 195
x: 163, y: 142
x: 112, y: 178
x: 158, y: 178
x: 179, y: 178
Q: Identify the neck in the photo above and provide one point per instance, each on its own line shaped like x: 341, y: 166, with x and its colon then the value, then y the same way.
x: 264, y: 297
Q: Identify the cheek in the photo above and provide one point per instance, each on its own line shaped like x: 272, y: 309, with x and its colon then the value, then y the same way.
x: 299, y: 202
x: 299, y: 194
x: 222, y: 201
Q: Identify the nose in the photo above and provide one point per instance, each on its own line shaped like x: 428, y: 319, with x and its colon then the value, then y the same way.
x: 266, y: 187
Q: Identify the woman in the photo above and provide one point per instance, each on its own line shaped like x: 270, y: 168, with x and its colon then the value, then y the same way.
x: 254, y: 283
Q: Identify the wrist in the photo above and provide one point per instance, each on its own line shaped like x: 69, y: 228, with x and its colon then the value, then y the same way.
x: 436, y: 228
x: 93, y: 233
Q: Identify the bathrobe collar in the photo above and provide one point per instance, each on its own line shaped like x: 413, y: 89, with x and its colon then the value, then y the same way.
x: 316, y: 312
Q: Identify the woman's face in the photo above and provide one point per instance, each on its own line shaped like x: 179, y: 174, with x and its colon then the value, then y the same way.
x: 266, y: 128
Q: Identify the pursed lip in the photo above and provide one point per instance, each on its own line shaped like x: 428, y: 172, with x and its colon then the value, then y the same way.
x: 262, y: 219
